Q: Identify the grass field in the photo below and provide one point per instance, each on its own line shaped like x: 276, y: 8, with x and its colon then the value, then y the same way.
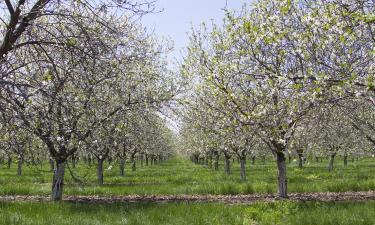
x: 188, y: 213
x: 180, y: 176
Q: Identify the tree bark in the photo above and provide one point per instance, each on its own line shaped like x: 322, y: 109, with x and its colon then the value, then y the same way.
x: 58, y: 181
x: 146, y: 160
x: 100, y: 172
x: 243, y: 168
x: 89, y: 160
x: 216, y: 164
x: 332, y: 158
x: 134, y: 165
x: 19, y: 166
x: 253, y: 160
x: 73, y: 161
x: 122, y: 167
x: 9, y: 162
x: 227, y: 165
x: 282, y: 180
x: 300, y: 162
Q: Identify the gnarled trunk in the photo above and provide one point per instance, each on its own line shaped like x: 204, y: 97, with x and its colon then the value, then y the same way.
x: 243, y: 168
x: 58, y: 181
x: 100, y: 172
x: 282, y: 180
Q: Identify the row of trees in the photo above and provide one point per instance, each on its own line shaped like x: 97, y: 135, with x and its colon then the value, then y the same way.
x: 287, y: 76
x: 81, y: 77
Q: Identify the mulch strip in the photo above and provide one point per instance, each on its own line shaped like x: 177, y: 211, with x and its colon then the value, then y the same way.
x: 232, y: 199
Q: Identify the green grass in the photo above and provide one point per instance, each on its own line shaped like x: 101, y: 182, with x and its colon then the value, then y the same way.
x: 180, y: 176
x: 188, y: 213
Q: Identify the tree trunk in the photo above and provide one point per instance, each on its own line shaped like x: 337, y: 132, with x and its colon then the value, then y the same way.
x: 122, y: 167
x: 253, y: 160
x: 134, y: 167
x: 142, y: 161
x: 73, y: 161
x: 58, y: 181
x: 300, y: 158
x: 89, y: 160
x: 282, y: 180
x: 243, y: 168
x: 210, y: 161
x: 345, y: 160
x: 216, y: 164
x: 9, y: 162
x: 146, y: 160
x: 100, y: 172
x: 227, y: 165
x: 332, y: 158
x: 19, y: 166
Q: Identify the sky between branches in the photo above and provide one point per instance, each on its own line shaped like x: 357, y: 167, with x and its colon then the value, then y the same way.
x: 178, y: 16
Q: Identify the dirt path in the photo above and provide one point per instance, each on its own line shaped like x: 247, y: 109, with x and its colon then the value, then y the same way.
x: 233, y: 199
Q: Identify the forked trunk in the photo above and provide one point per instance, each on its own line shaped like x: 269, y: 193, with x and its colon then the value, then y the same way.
x: 282, y: 180
x: 100, y: 172
x: 243, y: 168
x: 58, y: 181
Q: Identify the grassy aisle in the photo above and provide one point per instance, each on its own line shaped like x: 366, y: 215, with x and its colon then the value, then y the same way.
x: 180, y: 176
x: 188, y: 213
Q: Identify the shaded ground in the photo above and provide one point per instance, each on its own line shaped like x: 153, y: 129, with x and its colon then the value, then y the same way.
x: 232, y: 199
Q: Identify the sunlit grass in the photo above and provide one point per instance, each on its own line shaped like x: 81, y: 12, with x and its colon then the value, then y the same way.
x: 180, y: 176
x: 188, y: 213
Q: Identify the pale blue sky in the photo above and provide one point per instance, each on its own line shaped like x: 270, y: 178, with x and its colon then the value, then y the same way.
x: 178, y: 16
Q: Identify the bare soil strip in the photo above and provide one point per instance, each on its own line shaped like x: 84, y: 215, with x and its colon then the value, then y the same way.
x: 232, y: 199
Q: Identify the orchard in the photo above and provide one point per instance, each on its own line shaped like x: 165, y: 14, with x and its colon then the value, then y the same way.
x: 272, y: 106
